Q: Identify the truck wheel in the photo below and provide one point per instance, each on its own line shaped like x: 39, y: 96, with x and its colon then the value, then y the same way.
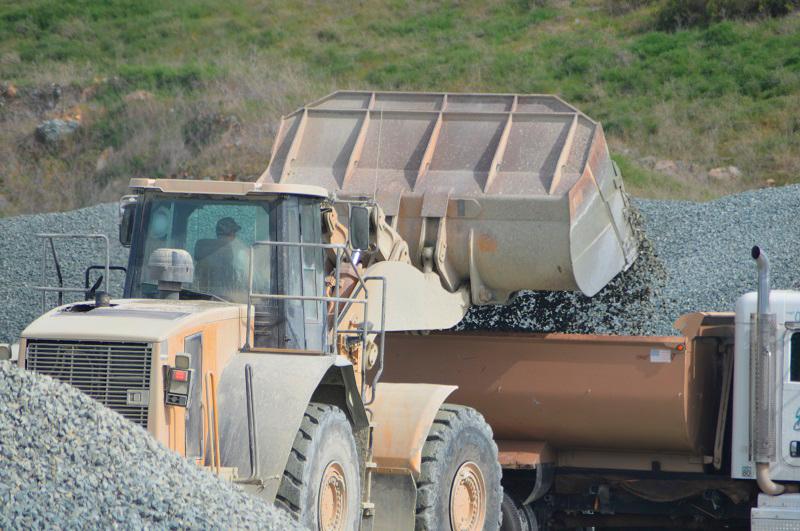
x: 321, y: 486
x: 517, y: 517
x: 459, y: 484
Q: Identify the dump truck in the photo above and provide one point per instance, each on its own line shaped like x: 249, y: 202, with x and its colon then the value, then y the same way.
x: 700, y: 430
x: 254, y: 331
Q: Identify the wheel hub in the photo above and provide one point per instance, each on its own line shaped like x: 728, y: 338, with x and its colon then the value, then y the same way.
x: 333, y: 499
x: 468, y: 498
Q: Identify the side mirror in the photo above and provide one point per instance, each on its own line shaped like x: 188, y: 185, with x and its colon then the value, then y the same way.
x: 127, y: 206
x: 359, y: 227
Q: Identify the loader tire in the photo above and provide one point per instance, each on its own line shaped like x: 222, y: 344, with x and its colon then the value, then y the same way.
x: 459, y: 483
x: 321, y: 486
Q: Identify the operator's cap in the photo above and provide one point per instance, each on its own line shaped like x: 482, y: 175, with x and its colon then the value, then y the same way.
x: 227, y: 227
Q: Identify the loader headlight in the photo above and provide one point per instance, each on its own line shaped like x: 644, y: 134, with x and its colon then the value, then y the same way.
x: 183, y: 361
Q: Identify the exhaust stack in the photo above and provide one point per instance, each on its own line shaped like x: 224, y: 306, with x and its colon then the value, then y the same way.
x: 763, y: 371
x: 762, y: 264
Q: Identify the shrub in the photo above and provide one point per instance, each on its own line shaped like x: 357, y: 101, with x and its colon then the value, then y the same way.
x: 621, y: 7
x: 164, y: 77
x: 675, y: 14
x: 207, y: 127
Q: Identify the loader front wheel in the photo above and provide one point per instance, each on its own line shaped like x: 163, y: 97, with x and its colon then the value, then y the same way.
x: 459, y: 484
x: 321, y: 485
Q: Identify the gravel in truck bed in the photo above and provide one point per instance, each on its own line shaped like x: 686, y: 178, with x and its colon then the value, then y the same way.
x: 67, y: 462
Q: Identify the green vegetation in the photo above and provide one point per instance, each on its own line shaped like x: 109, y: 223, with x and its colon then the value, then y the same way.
x: 669, y: 79
x: 675, y: 14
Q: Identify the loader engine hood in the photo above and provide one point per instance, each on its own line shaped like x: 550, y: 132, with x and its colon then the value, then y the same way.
x: 130, y: 319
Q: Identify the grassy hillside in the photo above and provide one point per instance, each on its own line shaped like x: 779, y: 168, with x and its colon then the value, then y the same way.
x: 196, y: 87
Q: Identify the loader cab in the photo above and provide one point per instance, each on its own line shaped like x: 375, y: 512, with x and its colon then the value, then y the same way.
x: 218, y: 232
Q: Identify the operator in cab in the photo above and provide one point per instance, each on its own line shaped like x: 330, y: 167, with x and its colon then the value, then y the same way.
x: 222, y: 264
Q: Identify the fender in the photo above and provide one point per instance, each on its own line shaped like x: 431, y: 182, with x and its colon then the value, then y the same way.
x: 403, y: 414
x: 283, y: 385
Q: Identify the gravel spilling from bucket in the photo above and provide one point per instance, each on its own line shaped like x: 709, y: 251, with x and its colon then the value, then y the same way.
x: 694, y: 257
x: 67, y: 462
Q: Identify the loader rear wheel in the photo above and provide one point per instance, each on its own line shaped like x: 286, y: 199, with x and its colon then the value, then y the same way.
x: 321, y: 486
x: 459, y: 484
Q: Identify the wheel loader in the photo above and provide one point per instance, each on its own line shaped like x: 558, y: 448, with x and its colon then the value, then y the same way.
x: 252, y: 333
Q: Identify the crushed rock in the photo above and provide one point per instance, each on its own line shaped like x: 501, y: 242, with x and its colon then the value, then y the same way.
x: 67, y: 462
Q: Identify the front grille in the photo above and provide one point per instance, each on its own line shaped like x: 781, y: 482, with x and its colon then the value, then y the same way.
x: 103, y: 370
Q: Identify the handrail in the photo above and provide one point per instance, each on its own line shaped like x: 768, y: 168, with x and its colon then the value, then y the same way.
x: 211, y: 456
x: 340, y: 249
x: 252, y: 430
x: 48, y: 237
x: 342, y: 305
x: 213, y: 420
x: 319, y: 298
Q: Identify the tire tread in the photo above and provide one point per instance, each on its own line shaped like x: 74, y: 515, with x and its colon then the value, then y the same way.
x: 448, y: 420
x: 292, y: 487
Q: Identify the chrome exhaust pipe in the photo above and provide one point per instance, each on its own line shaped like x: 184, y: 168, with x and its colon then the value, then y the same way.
x: 762, y: 264
x: 763, y: 370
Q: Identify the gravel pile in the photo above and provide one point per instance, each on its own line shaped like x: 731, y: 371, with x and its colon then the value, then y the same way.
x: 67, y: 462
x: 21, y: 258
x: 694, y: 257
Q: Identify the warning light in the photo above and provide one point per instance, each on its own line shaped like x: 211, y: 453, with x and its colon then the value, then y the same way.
x: 179, y: 375
x: 680, y: 348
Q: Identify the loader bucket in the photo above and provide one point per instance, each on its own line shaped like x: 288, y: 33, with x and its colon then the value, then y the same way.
x: 505, y: 192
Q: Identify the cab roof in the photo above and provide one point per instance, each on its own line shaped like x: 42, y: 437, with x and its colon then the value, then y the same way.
x: 243, y: 188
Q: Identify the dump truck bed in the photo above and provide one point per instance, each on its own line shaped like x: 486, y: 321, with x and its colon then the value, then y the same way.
x: 510, y: 191
x: 621, y: 393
